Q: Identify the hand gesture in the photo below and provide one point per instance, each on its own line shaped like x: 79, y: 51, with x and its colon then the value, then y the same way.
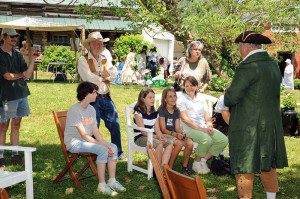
x: 162, y: 138
x: 110, y: 151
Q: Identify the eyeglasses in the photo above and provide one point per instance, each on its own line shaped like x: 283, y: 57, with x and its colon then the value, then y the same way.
x: 13, y: 36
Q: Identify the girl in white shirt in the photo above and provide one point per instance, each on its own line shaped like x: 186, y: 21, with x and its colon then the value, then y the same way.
x: 198, y: 126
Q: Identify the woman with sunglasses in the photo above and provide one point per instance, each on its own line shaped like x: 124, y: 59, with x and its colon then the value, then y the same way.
x: 82, y: 135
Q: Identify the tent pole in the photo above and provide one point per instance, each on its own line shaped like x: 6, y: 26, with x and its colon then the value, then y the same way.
x: 83, y: 38
x: 75, y: 49
x: 29, y: 42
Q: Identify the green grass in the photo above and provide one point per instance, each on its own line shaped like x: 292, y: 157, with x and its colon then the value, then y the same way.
x: 39, y: 130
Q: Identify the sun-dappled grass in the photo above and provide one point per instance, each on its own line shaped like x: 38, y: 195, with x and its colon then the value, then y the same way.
x: 39, y: 130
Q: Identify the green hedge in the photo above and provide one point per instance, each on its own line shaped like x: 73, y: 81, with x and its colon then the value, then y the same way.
x: 58, y: 54
x: 122, y: 45
x: 219, y: 84
x: 297, y: 84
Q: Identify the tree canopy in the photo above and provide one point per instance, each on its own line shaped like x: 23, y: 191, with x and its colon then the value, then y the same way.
x: 216, y: 23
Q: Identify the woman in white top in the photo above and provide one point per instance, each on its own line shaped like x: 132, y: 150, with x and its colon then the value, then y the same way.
x: 288, y: 77
x: 197, y: 124
x: 128, y: 74
x: 194, y: 64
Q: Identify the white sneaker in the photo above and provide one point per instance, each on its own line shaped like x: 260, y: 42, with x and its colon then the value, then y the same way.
x: 116, y: 186
x: 205, y: 169
x: 200, y: 167
x: 106, y: 190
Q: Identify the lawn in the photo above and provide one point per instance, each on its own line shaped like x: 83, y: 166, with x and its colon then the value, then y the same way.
x: 39, y: 130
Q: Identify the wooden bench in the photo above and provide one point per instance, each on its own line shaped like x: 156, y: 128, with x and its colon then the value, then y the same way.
x: 8, y: 178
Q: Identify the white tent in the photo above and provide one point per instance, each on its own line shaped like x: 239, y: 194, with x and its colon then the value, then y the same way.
x: 38, y: 24
x: 164, y: 41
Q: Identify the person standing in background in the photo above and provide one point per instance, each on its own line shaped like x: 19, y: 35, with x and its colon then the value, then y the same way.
x: 288, y: 76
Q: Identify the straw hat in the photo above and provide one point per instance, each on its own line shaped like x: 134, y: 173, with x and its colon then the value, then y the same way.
x: 92, y: 37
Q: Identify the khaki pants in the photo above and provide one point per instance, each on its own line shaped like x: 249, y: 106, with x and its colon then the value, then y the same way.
x: 245, y: 183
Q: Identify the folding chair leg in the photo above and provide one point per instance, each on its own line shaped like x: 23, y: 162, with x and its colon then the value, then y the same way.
x: 150, y: 169
x: 64, y: 171
x: 73, y: 175
x: 92, y: 165
x: 129, y: 161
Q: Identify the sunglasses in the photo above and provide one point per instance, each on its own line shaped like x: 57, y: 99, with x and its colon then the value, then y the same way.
x: 13, y: 36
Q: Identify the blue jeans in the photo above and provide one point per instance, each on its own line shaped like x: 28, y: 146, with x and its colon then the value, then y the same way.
x: 83, y: 146
x: 106, y: 110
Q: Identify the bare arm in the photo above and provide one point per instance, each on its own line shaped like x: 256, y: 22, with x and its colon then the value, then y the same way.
x: 13, y: 76
x: 226, y: 116
x: 30, y: 69
x: 185, y: 119
x: 85, y: 136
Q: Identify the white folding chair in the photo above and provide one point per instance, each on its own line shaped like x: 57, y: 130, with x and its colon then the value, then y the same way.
x: 8, y: 178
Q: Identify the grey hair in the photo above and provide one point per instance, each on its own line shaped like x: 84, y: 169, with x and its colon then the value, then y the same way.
x: 253, y: 45
x: 191, y: 45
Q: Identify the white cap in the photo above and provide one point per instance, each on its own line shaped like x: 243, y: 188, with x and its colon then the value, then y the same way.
x: 288, y: 61
x: 9, y: 31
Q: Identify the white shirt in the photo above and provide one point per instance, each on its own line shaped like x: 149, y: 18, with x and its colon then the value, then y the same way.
x: 288, y: 77
x: 220, y: 106
x: 86, y: 74
x: 253, y: 52
x: 195, y: 109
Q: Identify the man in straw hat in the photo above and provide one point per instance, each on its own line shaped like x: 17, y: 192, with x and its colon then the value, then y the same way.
x: 256, y: 142
x: 98, y: 69
x: 13, y: 91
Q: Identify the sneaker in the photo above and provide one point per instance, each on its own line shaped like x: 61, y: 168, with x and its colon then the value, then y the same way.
x: 205, y: 168
x: 116, y: 186
x: 16, y: 160
x: 106, y: 190
x: 200, y: 167
x: 122, y: 157
x: 2, y: 163
x: 187, y: 170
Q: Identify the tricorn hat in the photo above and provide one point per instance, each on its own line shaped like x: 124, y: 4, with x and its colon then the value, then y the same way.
x: 252, y: 37
x: 94, y: 36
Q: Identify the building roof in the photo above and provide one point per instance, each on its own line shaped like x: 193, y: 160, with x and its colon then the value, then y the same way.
x: 103, y: 3
x: 95, y: 24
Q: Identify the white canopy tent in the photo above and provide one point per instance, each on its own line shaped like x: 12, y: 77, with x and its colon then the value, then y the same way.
x: 164, y: 41
x: 38, y: 24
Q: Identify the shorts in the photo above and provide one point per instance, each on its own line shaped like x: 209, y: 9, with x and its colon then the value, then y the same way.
x: 142, y: 142
x: 14, y: 109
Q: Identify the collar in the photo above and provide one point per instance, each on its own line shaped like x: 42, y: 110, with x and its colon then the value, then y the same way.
x: 90, y: 56
x: 253, y: 52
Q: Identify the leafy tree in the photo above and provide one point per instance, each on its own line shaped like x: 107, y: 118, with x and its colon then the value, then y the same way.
x: 123, y: 44
x: 216, y: 22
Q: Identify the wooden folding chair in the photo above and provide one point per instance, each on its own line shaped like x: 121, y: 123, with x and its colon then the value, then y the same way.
x: 70, y: 158
x: 181, y: 186
x: 158, y: 171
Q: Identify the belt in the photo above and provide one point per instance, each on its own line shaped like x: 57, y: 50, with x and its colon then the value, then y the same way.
x: 104, y: 95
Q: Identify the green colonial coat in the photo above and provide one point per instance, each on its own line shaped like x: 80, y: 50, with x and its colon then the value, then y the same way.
x: 256, y: 141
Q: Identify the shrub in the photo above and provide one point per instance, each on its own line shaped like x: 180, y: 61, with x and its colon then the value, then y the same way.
x: 288, y: 99
x: 58, y: 54
x: 122, y: 45
x: 219, y: 84
x: 297, y: 84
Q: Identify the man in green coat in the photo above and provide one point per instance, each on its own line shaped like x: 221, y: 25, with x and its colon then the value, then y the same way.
x: 256, y: 142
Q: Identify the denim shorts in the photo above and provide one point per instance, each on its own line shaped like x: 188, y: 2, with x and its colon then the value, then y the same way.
x: 14, y: 109
x: 83, y: 146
